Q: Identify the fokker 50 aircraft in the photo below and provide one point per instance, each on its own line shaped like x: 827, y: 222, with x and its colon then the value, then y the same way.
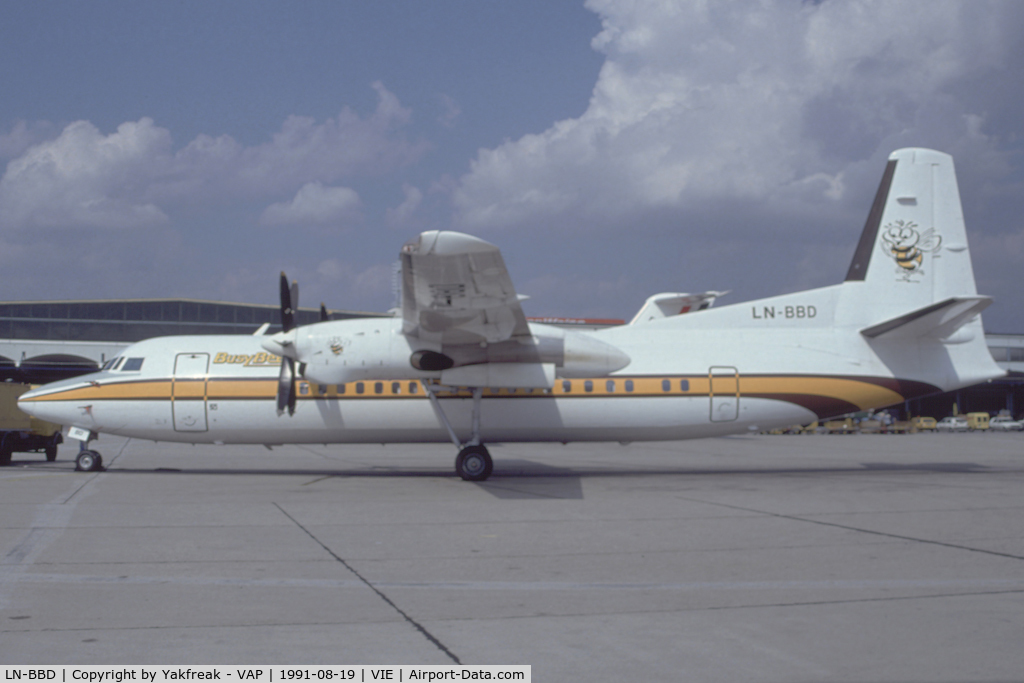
x: 462, y: 363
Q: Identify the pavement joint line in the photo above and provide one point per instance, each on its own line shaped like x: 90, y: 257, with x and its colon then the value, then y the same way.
x: 568, y: 615
x: 415, y: 624
x: 885, y: 534
x: 1015, y: 584
x: 713, y: 608
x: 96, y: 474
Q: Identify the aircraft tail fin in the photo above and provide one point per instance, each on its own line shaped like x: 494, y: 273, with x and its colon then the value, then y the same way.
x: 913, y: 251
x: 910, y: 288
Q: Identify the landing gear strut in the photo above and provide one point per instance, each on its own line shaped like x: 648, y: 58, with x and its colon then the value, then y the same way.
x: 87, y: 460
x: 473, y: 462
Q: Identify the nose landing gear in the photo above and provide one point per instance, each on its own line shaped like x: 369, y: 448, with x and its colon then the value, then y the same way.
x: 88, y: 460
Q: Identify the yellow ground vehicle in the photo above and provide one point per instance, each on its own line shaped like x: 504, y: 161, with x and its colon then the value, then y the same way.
x: 977, y: 421
x: 901, y: 427
x: 840, y: 426
x: 922, y: 423
x: 19, y: 432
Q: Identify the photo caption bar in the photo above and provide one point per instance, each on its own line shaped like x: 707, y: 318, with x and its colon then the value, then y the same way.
x: 265, y: 674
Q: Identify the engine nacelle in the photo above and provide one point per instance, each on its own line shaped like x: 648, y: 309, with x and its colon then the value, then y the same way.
x: 341, y: 351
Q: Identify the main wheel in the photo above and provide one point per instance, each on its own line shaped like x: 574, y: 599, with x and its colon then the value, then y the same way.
x: 474, y: 463
x: 89, y: 461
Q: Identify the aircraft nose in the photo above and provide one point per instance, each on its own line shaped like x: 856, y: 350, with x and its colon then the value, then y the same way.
x: 45, y: 403
x: 28, y: 404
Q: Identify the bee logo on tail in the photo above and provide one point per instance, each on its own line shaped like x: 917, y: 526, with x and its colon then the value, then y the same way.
x: 905, y: 244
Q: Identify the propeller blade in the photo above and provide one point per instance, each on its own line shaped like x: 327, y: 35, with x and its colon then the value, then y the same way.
x: 286, y: 387
x: 323, y: 312
x: 288, y: 303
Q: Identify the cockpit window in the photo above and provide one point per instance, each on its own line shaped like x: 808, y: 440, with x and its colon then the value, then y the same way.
x: 132, y: 365
x: 110, y: 363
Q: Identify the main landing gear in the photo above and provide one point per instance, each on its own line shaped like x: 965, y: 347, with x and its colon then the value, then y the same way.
x: 473, y: 462
x: 88, y: 460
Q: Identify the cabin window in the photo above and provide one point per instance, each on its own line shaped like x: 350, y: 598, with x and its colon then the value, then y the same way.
x: 588, y: 386
x: 132, y: 365
x: 303, y: 388
x: 610, y: 386
x: 359, y: 387
x: 378, y: 387
x: 684, y: 385
x: 629, y: 385
x: 413, y: 387
x: 341, y: 388
x: 666, y: 385
x: 566, y: 386
x: 396, y: 387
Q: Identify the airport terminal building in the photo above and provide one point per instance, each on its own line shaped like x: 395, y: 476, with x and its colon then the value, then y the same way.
x: 43, y: 341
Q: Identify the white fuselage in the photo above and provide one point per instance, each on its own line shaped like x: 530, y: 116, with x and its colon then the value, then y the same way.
x: 751, y: 366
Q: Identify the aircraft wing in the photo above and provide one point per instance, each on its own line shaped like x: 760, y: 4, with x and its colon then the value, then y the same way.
x: 456, y: 290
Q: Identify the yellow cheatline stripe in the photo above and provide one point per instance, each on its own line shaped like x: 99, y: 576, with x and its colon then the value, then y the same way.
x: 227, y: 389
x: 152, y: 389
x: 862, y: 393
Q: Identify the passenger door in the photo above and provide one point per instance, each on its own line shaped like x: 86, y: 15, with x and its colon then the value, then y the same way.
x: 188, y: 392
x: 724, y: 390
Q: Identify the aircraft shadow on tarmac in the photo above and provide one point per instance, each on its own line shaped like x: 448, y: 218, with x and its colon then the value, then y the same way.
x: 529, y: 479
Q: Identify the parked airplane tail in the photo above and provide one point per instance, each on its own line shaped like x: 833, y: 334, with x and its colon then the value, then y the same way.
x: 908, y: 306
x: 911, y: 280
x: 912, y: 266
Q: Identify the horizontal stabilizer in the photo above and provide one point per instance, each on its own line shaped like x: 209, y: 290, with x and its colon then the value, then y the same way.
x: 939, y: 320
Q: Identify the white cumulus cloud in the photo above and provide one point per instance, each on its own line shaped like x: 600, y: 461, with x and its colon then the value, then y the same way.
x: 315, y: 204
x: 84, y: 178
x: 746, y: 101
x: 135, y: 178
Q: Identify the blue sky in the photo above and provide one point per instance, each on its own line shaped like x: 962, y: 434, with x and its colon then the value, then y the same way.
x: 612, y: 149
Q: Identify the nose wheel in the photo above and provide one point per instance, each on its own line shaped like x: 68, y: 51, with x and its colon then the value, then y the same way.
x: 474, y: 463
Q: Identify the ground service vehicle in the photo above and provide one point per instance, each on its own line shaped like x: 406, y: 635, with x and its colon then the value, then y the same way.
x: 954, y: 423
x: 923, y: 423
x: 1005, y: 423
x: 977, y: 421
x: 19, y: 432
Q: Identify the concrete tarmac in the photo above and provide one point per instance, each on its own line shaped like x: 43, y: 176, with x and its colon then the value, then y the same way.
x: 753, y: 558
